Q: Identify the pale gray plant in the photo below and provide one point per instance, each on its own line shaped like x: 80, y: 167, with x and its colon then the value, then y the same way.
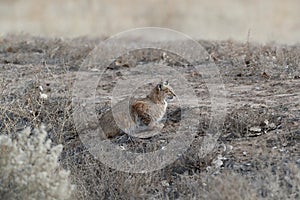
x: 29, y: 167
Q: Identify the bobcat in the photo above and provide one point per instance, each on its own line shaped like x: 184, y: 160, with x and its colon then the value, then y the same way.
x: 145, y: 113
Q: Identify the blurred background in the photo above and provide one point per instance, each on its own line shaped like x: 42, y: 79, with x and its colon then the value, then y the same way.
x: 257, y: 20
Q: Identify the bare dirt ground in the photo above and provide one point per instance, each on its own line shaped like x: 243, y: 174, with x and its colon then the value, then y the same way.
x: 256, y: 157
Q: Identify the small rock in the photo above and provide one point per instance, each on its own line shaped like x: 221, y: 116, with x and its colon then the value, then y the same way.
x: 272, y: 126
x: 266, y: 122
x: 218, y: 162
x: 255, y: 129
x: 165, y: 183
x: 122, y: 148
x: 94, y: 70
x: 43, y: 96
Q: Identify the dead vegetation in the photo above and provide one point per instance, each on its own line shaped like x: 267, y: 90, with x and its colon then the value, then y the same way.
x: 257, y: 155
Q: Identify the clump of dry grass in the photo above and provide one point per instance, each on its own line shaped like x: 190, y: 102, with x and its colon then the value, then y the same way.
x: 267, y: 182
x: 278, y: 181
x: 29, y: 167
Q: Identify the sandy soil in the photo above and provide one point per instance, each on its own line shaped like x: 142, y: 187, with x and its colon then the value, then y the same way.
x: 260, y: 136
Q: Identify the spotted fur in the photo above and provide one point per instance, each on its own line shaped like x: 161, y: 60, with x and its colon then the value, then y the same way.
x: 145, y: 112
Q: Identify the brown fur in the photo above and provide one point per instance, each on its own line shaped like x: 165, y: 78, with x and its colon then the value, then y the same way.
x: 145, y: 112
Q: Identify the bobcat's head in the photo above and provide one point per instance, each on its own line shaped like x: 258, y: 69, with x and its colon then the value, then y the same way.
x: 163, y: 92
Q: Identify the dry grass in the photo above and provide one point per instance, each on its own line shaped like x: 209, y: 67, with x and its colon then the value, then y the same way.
x: 259, y: 166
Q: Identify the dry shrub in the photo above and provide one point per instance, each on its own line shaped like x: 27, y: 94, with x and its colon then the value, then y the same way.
x: 278, y: 182
x: 29, y: 167
x: 229, y: 185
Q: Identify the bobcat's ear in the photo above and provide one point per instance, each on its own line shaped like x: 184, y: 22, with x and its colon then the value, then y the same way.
x: 166, y: 83
x: 159, y: 87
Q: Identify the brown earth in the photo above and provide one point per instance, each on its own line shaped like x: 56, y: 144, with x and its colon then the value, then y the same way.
x: 256, y: 156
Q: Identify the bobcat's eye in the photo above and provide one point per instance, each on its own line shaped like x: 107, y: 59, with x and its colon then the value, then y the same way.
x: 170, y: 97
